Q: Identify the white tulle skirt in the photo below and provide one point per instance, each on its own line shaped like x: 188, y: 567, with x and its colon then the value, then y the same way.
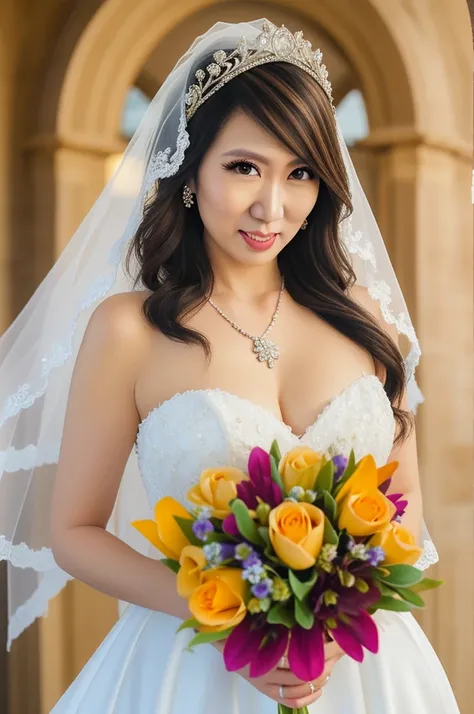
x: 142, y: 668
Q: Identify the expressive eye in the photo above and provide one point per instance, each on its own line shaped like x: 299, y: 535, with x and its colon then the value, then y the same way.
x: 241, y: 167
x: 304, y: 170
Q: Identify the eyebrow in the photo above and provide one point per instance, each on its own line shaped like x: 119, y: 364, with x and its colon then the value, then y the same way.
x: 257, y: 157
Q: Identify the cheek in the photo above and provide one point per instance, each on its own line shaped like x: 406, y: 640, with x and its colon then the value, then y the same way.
x: 220, y: 195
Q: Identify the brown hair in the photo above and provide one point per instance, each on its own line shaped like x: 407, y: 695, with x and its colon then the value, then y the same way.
x: 169, y: 247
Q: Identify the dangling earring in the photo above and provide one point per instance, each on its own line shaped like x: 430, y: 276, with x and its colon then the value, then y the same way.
x: 304, y: 225
x: 187, y: 196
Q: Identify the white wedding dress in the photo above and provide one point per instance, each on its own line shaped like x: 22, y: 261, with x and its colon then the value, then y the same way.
x: 142, y: 666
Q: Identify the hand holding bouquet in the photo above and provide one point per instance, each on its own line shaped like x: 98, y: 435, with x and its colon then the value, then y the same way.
x: 299, y: 551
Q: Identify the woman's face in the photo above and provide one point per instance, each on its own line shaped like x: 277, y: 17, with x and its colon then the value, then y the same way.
x: 252, y: 193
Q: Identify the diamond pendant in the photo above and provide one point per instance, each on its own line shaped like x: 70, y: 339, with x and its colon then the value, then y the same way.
x: 266, y: 350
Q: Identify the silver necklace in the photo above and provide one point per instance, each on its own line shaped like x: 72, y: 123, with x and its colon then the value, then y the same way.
x: 266, y: 350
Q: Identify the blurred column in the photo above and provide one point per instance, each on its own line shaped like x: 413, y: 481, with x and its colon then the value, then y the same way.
x: 67, y: 177
x: 423, y: 206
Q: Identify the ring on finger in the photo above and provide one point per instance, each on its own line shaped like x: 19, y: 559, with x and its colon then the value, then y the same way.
x: 312, y: 688
x: 281, y: 693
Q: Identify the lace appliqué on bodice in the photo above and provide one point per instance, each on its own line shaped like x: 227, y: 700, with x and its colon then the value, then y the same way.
x: 199, y: 429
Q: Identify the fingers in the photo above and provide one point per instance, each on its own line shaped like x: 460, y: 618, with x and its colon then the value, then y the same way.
x: 332, y: 649
x: 301, y: 696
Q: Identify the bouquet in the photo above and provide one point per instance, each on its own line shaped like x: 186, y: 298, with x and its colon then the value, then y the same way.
x: 299, y: 551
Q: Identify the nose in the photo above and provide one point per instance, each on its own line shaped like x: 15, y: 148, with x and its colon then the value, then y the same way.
x: 269, y: 205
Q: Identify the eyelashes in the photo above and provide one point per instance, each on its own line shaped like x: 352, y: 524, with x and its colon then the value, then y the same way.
x: 238, y: 163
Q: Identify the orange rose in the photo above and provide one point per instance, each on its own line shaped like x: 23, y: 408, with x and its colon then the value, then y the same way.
x: 218, y: 603
x: 399, y: 545
x: 189, y: 577
x: 296, y: 532
x: 216, y: 488
x: 300, y: 467
x: 365, y: 513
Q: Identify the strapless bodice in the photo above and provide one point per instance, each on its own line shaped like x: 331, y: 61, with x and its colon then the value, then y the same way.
x: 200, y: 429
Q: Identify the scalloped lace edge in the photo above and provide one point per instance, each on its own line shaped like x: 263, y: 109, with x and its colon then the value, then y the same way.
x: 430, y: 556
x: 37, y: 605
x: 22, y: 556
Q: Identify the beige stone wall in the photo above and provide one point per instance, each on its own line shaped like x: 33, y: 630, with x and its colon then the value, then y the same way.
x: 63, y: 80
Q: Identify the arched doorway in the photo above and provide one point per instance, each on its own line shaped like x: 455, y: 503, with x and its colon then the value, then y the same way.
x: 412, y: 158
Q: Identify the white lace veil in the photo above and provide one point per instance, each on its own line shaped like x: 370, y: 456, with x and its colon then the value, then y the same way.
x: 38, y: 351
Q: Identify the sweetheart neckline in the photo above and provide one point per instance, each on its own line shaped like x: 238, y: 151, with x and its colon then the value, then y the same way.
x: 262, y: 409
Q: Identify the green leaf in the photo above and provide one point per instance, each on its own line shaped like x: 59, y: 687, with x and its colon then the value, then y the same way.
x: 389, y: 603
x: 410, y: 597
x: 280, y: 615
x: 330, y: 506
x: 264, y: 533
x: 171, y: 564
x: 325, y: 479
x: 217, y: 538
x: 302, y: 588
x: 275, y: 451
x: 245, y: 524
x: 192, y: 622
x: 203, y: 637
x: 402, y: 576
x: 303, y: 614
x: 426, y: 584
x: 330, y: 535
x: 276, y: 474
x: 186, y: 525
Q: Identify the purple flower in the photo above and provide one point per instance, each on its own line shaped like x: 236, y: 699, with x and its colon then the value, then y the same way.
x: 227, y: 551
x: 375, y: 555
x: 201, y: 529
x: 260, y: 483
x: 340, y: 463
x: 262, y: 589
x: 251, y: 560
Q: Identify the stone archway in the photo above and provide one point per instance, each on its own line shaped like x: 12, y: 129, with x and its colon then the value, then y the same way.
x: 421, y: 158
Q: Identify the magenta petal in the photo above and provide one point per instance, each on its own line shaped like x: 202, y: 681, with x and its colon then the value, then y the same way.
x: 385, y: 485
x: 267, y: 657
x: 347, y: 641
x: 246, y: 493
x: 366, y: 631
x: 259, y: 466
x: 242, y: 644
x: 229, y: 526
x: 306, y: 652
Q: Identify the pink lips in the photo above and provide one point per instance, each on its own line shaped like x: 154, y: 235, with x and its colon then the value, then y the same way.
x: 259, y: 244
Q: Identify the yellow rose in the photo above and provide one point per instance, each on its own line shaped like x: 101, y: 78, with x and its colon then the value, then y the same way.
x: 218, y: 603
x: 216, y: 488
x: 296, y: 532
x: 399, y: 545
x: 164, y: 533
x: 365, y: 513
x: 366, y: 477
x: 300, y: 467
x: 189, y: 577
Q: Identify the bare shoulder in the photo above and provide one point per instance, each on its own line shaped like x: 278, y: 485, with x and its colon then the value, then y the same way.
x: 119, y: 322
x: 361, y: 295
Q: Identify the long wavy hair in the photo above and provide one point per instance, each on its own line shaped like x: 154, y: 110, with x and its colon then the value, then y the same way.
x: 169, y: 248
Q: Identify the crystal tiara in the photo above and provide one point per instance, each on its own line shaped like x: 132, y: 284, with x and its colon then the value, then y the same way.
x: 273, y: 44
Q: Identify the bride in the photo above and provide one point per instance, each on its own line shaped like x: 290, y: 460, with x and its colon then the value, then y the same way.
x: 229, y: 287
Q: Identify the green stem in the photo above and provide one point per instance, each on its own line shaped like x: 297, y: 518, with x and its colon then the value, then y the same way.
x: 283, y: 709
